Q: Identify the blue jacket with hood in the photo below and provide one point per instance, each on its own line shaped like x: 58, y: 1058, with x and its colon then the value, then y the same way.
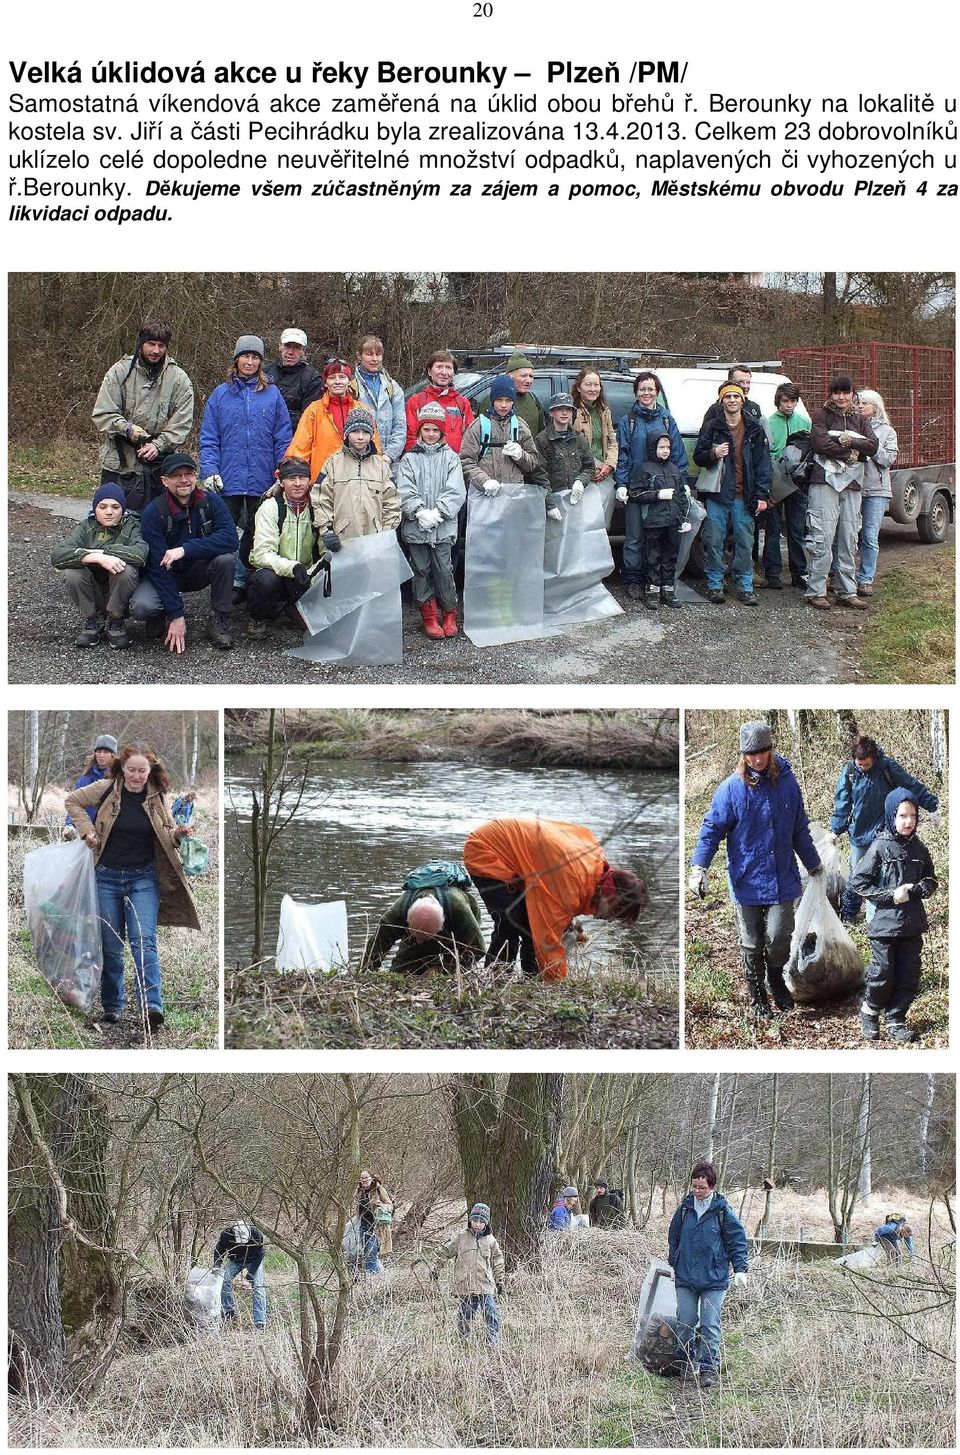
x: 890, y: 861
x: 858, y: 798
x: 701, y: 1250
x: 244, y: 435
x: 765, y: 825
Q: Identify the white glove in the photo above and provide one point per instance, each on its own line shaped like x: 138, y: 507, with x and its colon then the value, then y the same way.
x: 576, y: 492
x: 901, y: 895
x: 212, y: 482
x: 685, y: 527
x: 490, y: 487
x: 833, y: 839
x: 622, y: 493
x: 664, y: 494
x: 697, y: 883
x: 554, y: 514
x: 739, y: 1280
x: 428, y: 518
x: 933, y: 818
x: 512, y: 450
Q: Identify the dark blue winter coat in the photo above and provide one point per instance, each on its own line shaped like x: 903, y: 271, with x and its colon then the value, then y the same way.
x: 892, y: 860
x: 93, y: 776
x: 702, y: 1249
x: 637, y: 436
x: 765, y: 827
x: 859, y: 797
x: 757, y: 465
x: 187, y: 530
x: 244, y: 435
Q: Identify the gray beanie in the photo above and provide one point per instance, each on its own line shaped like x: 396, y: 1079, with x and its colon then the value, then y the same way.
x: 248, y: 343
x: 105, y: 741
x: 755, y: 736
x: 358, y: 419
x: 480, y: 1210
x: 569, y: 1192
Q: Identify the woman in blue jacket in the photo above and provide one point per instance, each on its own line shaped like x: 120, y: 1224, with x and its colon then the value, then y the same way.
x: 637, y: 435
x: 244, y: 435
x: 705, y: 1238
x: 759, y: 811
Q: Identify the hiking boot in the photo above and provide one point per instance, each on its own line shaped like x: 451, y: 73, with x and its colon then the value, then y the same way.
x: 633, y: 590
x: 899, y: 1031
x: 431, y: 620
x: 154, y: 1018
x: 717, y: 597
x: 448, y: 623
x: 669, y: 598
x: 782, y: 998
x: 652, y: 599
x: 869, y: 1025
x: 853, y: 602
x: 257, y: 629
x: 772, y: 583
x: 864, y: 589
x: 111, y: 1017
x: 218, y: 631
x: 116, y: 633
x: 820, y: 603
x: 89, y: 634
x: 708, y: 1378
x: 747, y: 598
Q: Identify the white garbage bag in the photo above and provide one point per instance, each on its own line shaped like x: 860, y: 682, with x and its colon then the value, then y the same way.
x: 360, y: 622
x: 503, y: 566
x: 862, y: 1258
x: 201, y: 1296
x: 696, y: 515
x: 654, y: 1337
x: 312, y: 936
x: 576, y: 558
x: 60, y: 896
x: 824, y: 962
x: 836, y: 864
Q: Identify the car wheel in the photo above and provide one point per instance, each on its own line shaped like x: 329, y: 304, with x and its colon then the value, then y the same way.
x: 906, y: 499
x: 932, y: 526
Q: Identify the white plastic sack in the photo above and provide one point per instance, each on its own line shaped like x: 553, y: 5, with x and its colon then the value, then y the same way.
x: 351, y: 1247
x: 696, y: 515
x: 503, y: 566
x: 576, y: 558
x: 361, y: 621
x: 836, y: 864
x: 312, y: 936
x: 863, y: 1258
x: 201, y: 1296
x: 60, y: 895
x: 653, y: 1338
x: 579, y: 1220
x: 824, y: 962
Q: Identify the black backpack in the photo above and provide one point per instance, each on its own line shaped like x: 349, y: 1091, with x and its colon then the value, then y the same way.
x: 852, y: 773
x: 207, y: 525
x: 801, y: 471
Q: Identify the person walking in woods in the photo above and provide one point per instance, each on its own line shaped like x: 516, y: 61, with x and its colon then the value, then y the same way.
x: 535, y: 875
x: 183, y: 809
x: 244, y: 435
x: 441, y: 368
x: 737, y: 440
x: 498, y: 448
x: 595, y: 422
x: 239, y: 1252
x: 373, y: 387
x: 102, y: 559
x: 296, y: 378
x: 144, y: 410
x: 565, y: 455
x: 877, y: 487
x: 478, y: 1272
x: 606, y: 1206
x: 287, y: 545
x: 705, y: 1239
x: 656, y: 513
x: 560, y: 1216
x: 94, y: 770
x: 759, y: 811
x: 858, y: 806
x: 357, y: 496
x: 375, y: 1214
x: 788, y: 418
x: 192, y: 544
x: 140, y: 879
x: 432, y: 492
x: 896, y: 874
x: 520, y: 369
x: 322, y: 430
x: 842, y: 438
x: 436, y: 926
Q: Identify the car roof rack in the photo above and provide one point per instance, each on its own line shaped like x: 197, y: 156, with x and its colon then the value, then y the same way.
x: 620, y: 358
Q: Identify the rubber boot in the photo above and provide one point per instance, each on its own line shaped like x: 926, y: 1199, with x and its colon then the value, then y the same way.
x: 782, y: 998
x: 869, y: 1024
x: 753, y: 971
x: 449, y: 623
x: 431, y: 620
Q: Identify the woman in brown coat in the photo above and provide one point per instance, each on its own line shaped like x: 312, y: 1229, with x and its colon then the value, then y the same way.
x: 140, y: 880
x: 375, y: 1234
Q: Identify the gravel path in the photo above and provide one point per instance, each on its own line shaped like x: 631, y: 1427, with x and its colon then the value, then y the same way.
x: 699, y: 644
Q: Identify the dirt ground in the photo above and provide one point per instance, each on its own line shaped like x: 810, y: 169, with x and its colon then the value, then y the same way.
x: 699, y: 644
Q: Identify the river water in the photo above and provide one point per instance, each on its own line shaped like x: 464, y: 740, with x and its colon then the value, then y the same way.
x: 362, y: 826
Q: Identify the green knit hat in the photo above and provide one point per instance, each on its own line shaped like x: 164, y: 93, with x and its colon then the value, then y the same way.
x: 517, y: 361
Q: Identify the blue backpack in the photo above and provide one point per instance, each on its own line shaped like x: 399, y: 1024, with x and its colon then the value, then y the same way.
x: 485, y: 433
x: 439, y: 875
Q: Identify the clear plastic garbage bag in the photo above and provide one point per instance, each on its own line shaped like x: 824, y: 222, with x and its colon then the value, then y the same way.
x: 351, y: 1246
x: 60, y: 895
x: 836, y: 865
x: 201, y: 1296
x: 503, y: 572
x: 608, y: 498
x: 824, y: 962
x: 194, y: 856
x: 361, y: 621
x: 654, y: 1338
x: 696, y: 515
x: 862, y: 1258
x: 312, y: 936
x: 576, y: 558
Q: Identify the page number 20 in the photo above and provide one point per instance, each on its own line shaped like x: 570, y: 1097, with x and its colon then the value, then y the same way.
x: 482, y: 9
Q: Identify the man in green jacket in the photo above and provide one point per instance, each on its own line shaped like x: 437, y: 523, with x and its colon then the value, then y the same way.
x: 527, y: 406
x: 144, y: 410
x: 437, y: 927
x: 101, y: 559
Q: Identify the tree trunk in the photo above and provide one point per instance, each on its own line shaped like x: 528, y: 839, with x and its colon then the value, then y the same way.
x: 865, y: 1187
x: 712, y: 1110
x: 771, y: 1158
x: 926, y: 1111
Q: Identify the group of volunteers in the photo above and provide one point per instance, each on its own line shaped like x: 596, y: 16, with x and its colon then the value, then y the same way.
x: 118, y: 807
x: 534, y: 876
x: 759, y: 812
x: 295, y: 460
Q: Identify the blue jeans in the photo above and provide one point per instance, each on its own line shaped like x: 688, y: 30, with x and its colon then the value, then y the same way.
x: 129, y: 902
x: 472, y: 1303
x: 720, y: 515
x: 850, y: 907
x: 698, y: 1325
x: 371, y: 1253
x: 633, y: 557
x: 230, y: 1270
x: 872, y: 510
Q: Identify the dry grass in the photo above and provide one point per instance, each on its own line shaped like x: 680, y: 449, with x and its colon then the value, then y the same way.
x: 798, y: 1370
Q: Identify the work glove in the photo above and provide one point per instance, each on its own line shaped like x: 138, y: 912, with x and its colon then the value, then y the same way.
x: 902, y: 894
x: 331, y: 540
x: 512, y: 450
x: 933, y: 818
x: 739, y: 1280
x: 685, y: 527
x: 622, y: 493
x: 818, y: 869
x: 846, y: 440
x: 576, y: 492
x: 136, y: 434
x: 301, y: 575
x: 428, y: 518
x: 489, y: 487
x: 697, y: 883
x: 554, y: 514
x: 664, y: 494
x: 213, y: 482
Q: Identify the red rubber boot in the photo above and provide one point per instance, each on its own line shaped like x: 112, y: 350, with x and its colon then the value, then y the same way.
x: 431, y: 620
x: 449, y: 623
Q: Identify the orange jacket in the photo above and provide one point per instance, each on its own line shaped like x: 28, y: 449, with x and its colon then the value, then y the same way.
x: 560, y: 864
x: 318, y: 436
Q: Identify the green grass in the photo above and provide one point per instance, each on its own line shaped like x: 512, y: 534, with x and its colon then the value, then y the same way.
x: 910, y: 636
x: 61, y: 467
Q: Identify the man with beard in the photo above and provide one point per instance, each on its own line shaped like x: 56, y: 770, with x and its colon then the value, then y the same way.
x: 144, y: 410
